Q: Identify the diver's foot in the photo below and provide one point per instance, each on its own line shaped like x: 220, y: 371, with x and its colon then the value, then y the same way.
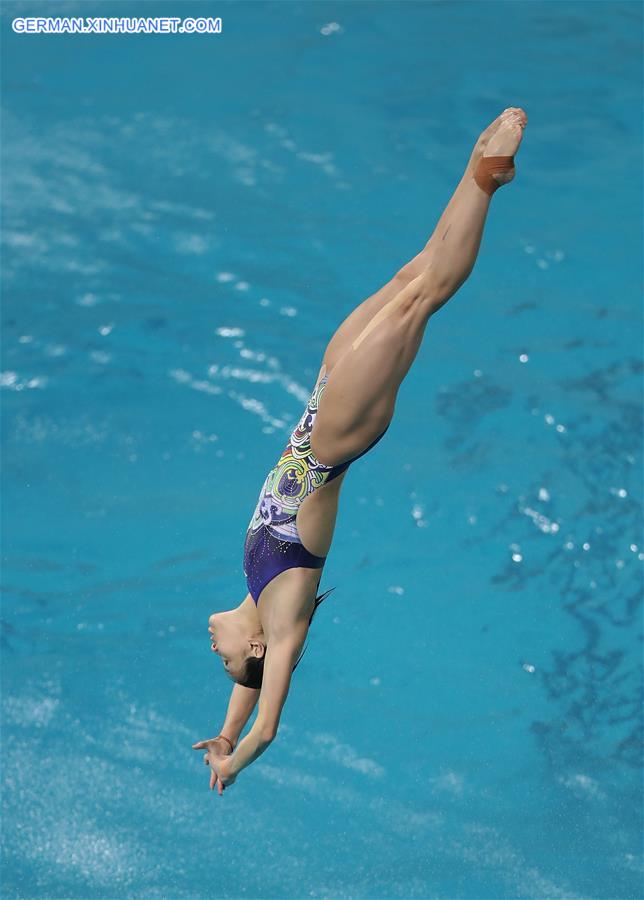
x: 484, y: 138
x: 496, y: 165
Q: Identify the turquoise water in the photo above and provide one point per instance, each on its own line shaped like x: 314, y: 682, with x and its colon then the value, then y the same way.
x: 186, y: 221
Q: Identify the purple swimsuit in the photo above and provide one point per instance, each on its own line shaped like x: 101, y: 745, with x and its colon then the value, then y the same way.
x: 273, y: 543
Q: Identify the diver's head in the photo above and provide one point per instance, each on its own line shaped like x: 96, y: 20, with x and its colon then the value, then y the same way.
x: 236, y: 635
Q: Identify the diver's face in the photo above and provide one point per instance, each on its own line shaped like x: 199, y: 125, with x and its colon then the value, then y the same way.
x: 232, y: 639
x: 227, y: 639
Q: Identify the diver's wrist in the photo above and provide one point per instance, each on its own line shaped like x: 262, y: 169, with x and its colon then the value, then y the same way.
x: 230, y: 742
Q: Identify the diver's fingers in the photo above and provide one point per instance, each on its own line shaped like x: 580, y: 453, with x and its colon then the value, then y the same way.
x: 213, y: 778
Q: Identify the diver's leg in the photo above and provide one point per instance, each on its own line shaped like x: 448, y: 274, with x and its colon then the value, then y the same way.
x: 359, y: 318
x: 360, y: 394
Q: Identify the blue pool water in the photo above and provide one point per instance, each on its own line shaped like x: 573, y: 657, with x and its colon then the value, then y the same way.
x: 186, y: 221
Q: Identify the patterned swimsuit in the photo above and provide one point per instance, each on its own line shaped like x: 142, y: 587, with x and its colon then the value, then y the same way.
x: 273, y: 543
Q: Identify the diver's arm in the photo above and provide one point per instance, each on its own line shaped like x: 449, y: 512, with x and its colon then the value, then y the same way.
x: 240, y: 707
x: 248, y: 750
x: 281, y: 656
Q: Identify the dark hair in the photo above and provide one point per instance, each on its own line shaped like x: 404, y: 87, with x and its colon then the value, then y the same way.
x: 253, y: 671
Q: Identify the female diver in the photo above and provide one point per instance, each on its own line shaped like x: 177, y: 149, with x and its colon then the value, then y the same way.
x: 350, y: 409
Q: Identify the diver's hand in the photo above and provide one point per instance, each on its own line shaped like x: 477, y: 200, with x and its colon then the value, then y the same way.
x: 222, y: 766
x: 217, y: 757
